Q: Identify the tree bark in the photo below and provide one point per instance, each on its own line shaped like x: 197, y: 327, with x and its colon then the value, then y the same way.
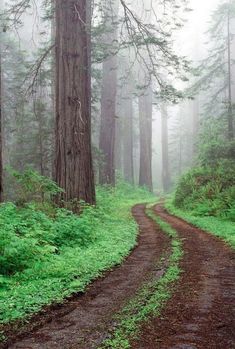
x: 119, y: 141
x: 166, y: 182
x: 196, y: 124
x: 128, y: 156
x: 108, y: 102
x: 73, y: 164
x: 145, y: 123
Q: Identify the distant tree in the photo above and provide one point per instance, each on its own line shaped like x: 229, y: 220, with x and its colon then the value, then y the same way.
x: 108, y: 94
x: 128, y: 115
x: 145, y: 126
x: 216, y: 76
x: 166, y: 181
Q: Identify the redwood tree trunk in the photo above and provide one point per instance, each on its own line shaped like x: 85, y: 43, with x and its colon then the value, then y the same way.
x: 73, y: 163
x: 165, y: 150
x: 196, y: 124
x: 108, y: 122
x: 145, y: 115
x: 128, y: 156
x: 108, y: 101
x: 119, y: 142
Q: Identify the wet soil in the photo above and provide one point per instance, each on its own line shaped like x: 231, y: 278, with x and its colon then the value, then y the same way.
x: 83, y: 321
x: 201, y: 313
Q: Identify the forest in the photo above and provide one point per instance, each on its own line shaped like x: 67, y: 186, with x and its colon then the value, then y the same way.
x: 117, y: 174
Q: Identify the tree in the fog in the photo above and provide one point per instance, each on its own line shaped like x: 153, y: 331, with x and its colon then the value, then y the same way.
x: 148, y: 47
x: 166, y: 181
x: 217, y: 70
x: 146, y: 120
x: 108, y: 94
x: 73, y: 163
x: 128, y: 147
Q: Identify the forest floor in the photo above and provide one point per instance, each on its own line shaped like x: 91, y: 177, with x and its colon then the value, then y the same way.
x: 200, y: 314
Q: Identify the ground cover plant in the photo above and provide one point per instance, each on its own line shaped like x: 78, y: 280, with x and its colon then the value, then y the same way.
x: 208, y: 191
x: 151, y: 298
x: 222, y: 228
x: 205, y: 197
x: 48, y: 253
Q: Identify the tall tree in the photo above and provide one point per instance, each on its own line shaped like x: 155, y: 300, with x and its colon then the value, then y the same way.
x: 216, y: 73
x: 108, y: 96
x: 128, y: 156
x: 165, y: 149
x: 230, y: 104
x: 127, y: 126
x: 73, y: 163
x: 196, y: 123
x: 119, y: 137
x: 145, y: 125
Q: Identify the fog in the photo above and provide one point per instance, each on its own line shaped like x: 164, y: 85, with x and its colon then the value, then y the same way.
x: 136, y: 67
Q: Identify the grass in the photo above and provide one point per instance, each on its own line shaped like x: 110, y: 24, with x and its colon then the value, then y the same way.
x: 150, y: 299
x: 222, y: 228
x: 61, y: 274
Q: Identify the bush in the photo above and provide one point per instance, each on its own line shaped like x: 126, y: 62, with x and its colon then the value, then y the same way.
x: 28, y: 234
x: 208, y: 191
x: 32, y: 186
x: 83, y: 248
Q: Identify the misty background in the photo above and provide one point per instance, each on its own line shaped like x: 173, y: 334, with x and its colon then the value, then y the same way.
x: 189, y: 41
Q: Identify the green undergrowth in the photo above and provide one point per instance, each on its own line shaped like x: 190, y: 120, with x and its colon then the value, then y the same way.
x: 151, y: 298
x: 222, y: 228
x: 48, y: 255
x: 208, y: 191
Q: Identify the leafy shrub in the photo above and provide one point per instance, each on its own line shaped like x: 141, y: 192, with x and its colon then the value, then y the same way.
x: 28, y: 235
x: 32, y: 186
x: 208, y: 191
x: 215, y: 151
x: 85, y: 246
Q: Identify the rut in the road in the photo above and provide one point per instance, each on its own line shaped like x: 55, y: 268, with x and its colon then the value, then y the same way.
x: 201, y: 313
x: 83, y: 322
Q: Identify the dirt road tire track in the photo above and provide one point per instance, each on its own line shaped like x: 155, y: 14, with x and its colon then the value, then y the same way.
x: 82, y: 323
x: 201, y: 313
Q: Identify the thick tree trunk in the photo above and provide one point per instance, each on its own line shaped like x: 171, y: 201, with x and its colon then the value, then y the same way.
x: 166, y: 182
x: 145, y: 116
x: 73, y: 164
x: 108, y: 101
x: 128, y: 156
